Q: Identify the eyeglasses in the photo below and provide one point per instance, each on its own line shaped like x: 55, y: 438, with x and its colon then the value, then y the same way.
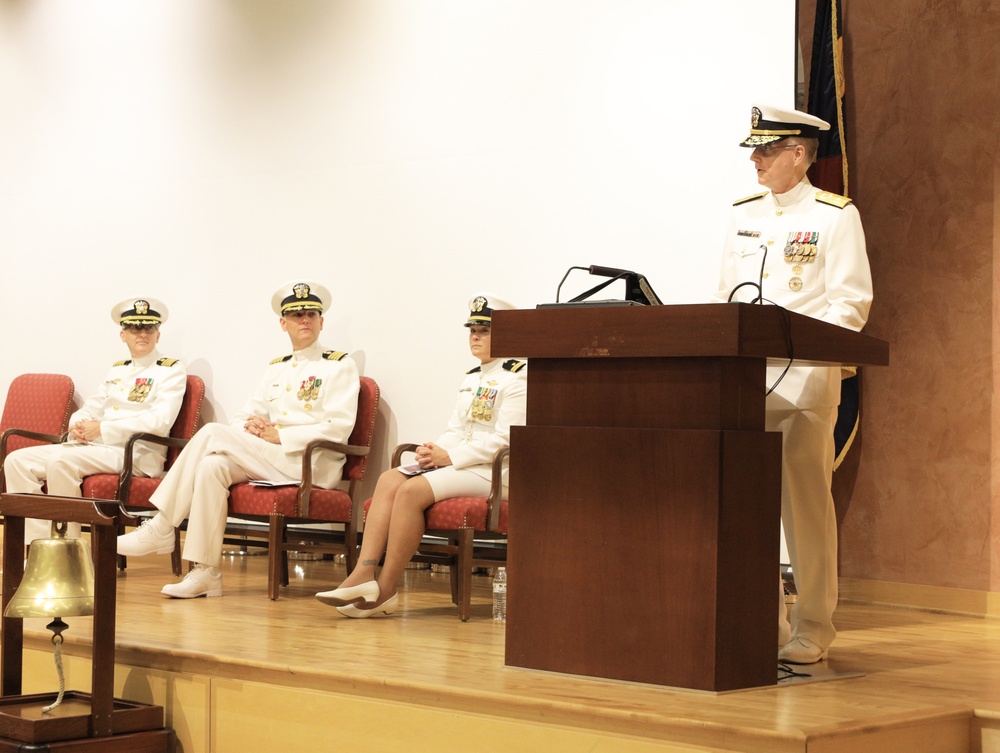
x: 135, y: 329
x: 768, y: 149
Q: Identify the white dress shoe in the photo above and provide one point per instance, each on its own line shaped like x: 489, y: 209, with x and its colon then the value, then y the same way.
x: 388, y: 607
x: 365, y: 593
x: 801, y: 651
x: 146, y: 539
x: 201, y: 581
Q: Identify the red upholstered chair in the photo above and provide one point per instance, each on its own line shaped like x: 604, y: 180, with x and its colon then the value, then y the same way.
x: 36, y: 411
x: 306, y: 504
x: 133, y: 492
x: 464, y: 532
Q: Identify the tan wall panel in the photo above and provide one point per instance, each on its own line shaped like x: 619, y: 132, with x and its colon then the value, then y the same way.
x: 184, y: 698
x: 245, y: 713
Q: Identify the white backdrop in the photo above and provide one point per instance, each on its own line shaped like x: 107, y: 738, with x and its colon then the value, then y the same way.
x: 405, y: 153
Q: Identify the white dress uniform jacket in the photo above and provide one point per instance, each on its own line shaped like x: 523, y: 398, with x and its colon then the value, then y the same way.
x: 816, y: 264
x: 491, y: 399
x: 308, y: 395
x: 138, y: 395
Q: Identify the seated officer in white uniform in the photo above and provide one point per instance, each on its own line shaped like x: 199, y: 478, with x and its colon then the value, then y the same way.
x: 310, y: 394
x: 140, y: 394
x: 805, y: 249
x: 490, y: 400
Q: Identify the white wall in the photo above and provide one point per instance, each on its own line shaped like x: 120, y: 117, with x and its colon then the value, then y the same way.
x: 407, y: 153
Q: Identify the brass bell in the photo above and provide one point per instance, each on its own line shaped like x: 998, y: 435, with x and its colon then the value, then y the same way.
x: 58, y: 578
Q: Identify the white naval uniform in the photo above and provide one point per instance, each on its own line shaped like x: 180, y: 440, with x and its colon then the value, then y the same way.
x: 307, y: 395
x: 137, y: 395
x: 826, y: 276
x: 491, y: 399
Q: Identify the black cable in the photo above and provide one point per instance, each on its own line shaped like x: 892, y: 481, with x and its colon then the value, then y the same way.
x: 789, y: 672
x: 759, y: 284
x: 789, y: 345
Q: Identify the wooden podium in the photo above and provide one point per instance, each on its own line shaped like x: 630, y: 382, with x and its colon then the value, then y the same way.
x: 645, y: 494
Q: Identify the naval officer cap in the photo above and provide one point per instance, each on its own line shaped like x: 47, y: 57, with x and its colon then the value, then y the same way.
x: 482, y: 306
x: 300, y: 295
x: 769, y: 124
x: 140, y: 311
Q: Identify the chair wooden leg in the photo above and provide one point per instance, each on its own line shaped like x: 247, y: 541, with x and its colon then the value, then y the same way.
x: 464, y: 567
x: 122, y: 560
x: 175, y: 556
x: 351, y: 545
x: 276, y: 555
x: 453, y: 572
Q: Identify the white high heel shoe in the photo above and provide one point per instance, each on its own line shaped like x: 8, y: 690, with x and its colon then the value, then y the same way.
x: 365, y: 593
x: 386, y: 608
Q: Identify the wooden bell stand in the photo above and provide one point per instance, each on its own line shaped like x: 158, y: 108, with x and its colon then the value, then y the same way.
x: 84, y: 722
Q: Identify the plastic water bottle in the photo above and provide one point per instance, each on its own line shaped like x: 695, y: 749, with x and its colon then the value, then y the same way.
x: 500, y: 595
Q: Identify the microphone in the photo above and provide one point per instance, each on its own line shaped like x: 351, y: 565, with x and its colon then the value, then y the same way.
x: 637, y: 290
x: 608, y: 271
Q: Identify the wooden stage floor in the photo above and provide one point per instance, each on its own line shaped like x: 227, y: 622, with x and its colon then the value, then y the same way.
x: 930, y: 681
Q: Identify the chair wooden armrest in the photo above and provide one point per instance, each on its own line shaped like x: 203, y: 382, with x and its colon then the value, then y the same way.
x: 125, y: 477
x: 496, y: 489
x: 40, y: 436
x: 306, y: 487
x: 397, y: 454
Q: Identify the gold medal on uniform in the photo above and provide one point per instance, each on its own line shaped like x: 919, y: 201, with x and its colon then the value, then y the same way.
x: 140, y: 390
x: 795, y: 284
x: 308, y: 390
x: 477, y: 404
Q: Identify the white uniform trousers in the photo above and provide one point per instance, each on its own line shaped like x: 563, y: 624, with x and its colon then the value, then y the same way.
x: 197, y: 486
x: 809, y: 517
x: 61, y: 467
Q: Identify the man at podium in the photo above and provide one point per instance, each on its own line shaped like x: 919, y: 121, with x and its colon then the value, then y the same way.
x: 803, y: 249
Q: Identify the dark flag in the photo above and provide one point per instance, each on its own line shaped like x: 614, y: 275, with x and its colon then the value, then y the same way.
x: 826, y: 100
x: 848, y: 416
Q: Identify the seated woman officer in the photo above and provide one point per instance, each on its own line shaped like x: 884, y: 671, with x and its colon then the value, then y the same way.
x: 491, y: 399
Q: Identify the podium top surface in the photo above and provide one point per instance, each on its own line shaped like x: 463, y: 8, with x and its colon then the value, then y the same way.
x: 690, y: 330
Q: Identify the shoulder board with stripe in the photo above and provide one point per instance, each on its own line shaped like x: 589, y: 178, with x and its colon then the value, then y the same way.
x: 745, y: 199
x: 334, y: 355
x: 473, y: 371
x: 514, y: 365
x: 282, y: 359
x: 126, y: 362
x: 166, y: 361
x: 833, y: 199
